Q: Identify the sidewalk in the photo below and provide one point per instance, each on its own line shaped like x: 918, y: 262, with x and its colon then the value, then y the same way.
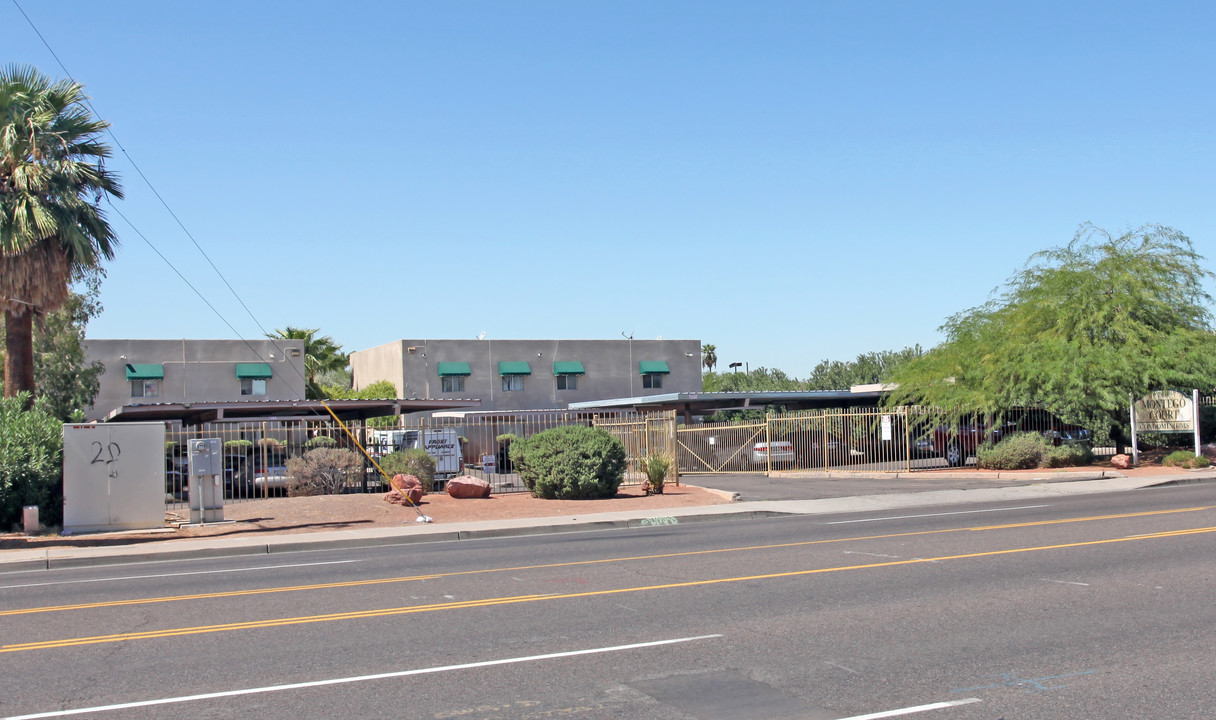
x: 1031, y: 487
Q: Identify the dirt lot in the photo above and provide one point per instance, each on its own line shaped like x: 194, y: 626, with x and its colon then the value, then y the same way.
x: 350, y: 512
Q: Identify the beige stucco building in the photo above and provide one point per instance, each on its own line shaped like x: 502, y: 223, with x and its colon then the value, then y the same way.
x: 140, y: 372
x: 531, y: 374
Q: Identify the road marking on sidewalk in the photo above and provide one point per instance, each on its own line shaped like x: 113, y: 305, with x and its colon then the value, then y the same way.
x: 940, y: 514
x: 355, y: 679
x: 490, y: 602
x: 178, y: 574
x: 603, y: 561
x: 917, y: 709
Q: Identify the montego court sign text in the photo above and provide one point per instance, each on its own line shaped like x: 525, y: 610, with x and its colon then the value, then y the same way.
x: 1166, y: 411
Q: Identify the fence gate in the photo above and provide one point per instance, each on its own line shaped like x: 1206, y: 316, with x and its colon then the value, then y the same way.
x: 641, y: 436
x: 726, y: 447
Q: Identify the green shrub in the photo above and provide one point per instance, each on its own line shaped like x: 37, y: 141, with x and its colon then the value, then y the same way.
x: 1016, y: 452
x: 1067, y: 456
x: 320, y: 441
x: 323, y: 471
x: 1185, y: 459
x: 414, y: 462
x: 569, y: 463
x: 31, y: 462
x: 238, y: 447
x: 272, y: 444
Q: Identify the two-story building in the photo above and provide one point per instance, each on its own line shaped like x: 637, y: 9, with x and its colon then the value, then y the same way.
x: 145, y: 372
x: 531, y: 374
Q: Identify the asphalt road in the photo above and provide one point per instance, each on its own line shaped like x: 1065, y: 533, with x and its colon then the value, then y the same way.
x: 1093, y: 607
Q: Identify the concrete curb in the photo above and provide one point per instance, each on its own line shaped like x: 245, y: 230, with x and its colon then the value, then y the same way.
x: 52, y: 558
x: 961, y: 475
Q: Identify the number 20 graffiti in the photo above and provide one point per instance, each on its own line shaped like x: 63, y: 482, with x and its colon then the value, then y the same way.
x: 114, y: 452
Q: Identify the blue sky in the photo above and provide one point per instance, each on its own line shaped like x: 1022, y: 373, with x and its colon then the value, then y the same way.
x: 791, y: 181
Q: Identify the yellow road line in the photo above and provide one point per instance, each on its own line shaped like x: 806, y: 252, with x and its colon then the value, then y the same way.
x: 520, y: 568
x: 492, y: 602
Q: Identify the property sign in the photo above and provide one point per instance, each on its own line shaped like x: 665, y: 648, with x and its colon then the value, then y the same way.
x: 444, y: 446
x: 1165, y: 411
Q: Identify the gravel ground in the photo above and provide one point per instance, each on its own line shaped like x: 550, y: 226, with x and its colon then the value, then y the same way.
x: 351, y: 512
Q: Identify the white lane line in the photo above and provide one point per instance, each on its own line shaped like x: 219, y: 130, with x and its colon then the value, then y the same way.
x: 910, y: 710
x: 877, y: 555
x: 358, y: 678
x: 1066, y: 582
x: 178, y: 574
x: 957, y: 512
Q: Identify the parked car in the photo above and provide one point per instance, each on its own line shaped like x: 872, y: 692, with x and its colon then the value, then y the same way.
x: 956, y: 444
x: 778, y: 452
x: 273, y: 478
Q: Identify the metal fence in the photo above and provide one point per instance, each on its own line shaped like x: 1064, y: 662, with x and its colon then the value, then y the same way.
x: 862, y: 440
x: 256, y: 453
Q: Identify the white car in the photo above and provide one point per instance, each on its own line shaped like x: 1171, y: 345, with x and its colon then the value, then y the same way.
x: 779, y: 452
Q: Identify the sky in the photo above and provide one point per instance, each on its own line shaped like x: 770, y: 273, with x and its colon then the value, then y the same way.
x: 790, y: 181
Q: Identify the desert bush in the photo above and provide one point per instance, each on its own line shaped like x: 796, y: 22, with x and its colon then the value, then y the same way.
x: 31, y: 462
x: 1067, y: 456
x: 1016, y: 452
x: 414, y: 462
x: 320, y: 441
x: 1185, y: 459
x: 570, y: 463
x: 655, y: 467
x: 323, y: 471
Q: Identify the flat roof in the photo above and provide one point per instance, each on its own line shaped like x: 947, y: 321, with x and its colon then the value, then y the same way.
x: 197, y: 413
x: 699, y: 402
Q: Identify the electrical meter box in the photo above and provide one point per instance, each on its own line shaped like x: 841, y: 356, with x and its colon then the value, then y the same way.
x: 205, y: 457
x: 113, y: 476
x: 206, y: 469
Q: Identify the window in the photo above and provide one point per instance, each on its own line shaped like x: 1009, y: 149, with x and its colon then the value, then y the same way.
x: 253, y: 386
x: 652, y: 380
x: 512, y: 383
x: 567, y: 382
x: 145, y: 388
x: 453, y: 383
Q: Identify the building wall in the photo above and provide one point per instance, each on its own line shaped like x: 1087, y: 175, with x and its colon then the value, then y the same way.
x: 195, y: 370
x: 611, y: 369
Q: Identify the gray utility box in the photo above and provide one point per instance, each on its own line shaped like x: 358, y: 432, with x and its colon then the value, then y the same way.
x: 206, y: 480
x: 113, y: 476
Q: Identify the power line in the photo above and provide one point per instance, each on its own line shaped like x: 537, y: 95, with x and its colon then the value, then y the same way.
x: 172, y: 214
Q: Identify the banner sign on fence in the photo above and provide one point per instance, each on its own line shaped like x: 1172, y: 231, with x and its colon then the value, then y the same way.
x: 1165, y: 411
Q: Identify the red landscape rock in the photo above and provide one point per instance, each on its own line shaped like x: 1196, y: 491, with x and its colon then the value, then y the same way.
x: 1123, y: 462
x: 467, y: 486
x: 405, y: 486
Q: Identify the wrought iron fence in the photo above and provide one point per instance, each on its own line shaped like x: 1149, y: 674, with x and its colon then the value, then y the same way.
x: 256, y: 454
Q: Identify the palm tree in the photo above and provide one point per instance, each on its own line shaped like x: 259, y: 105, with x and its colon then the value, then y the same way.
x: 709, y: 357
x: 52, y: 182
x: 321, y: 355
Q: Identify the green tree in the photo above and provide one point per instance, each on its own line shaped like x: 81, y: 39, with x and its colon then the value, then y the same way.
x: 67, y: 385
x: 52, y: 181
x: 709, y: 357
x: 868, y: 368
x: 1080, y: 330
x: 322, y: 356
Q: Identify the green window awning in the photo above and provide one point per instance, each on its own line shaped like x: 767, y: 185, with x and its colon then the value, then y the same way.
x: 568, y: 367
x: 452, y: 369
x: 256, y: 371
x: 514, y: 367
x: 653, y: 367
x: 145, y: 372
